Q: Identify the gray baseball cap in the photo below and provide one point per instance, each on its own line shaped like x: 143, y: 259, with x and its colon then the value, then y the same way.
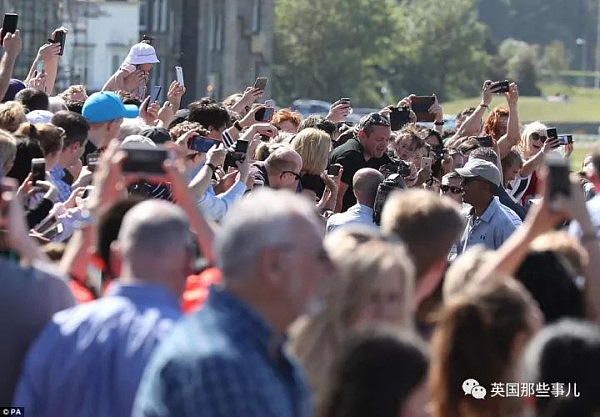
x: 480, y: 168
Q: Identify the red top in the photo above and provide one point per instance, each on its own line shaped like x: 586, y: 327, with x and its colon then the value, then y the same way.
x: 196, y: 289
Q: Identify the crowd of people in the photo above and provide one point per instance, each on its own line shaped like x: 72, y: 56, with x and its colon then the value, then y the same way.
x: 209, y: 259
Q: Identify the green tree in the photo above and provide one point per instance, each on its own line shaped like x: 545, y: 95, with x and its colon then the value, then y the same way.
x: 556, y: 58
x: 444, y: 51
x: 521, y: 65
x: 326, y: 49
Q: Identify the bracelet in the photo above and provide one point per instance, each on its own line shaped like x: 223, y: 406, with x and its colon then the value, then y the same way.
x: 238, y: 126
x: 588, y: 237
x: 484, y: 105
x: 439, y: 123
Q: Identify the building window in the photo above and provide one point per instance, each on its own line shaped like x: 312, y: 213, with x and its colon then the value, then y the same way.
x: 256, y: 11
x: 143, y: 14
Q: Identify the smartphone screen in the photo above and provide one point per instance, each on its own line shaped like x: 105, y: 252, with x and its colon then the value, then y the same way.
x: 200, y: 143
x: 420, y: 105
x: 38, y: 169
x: 265, y: 114
x: 399, y: 117
x: 154, y: 94
x: 179, y: 74
x: 500, y: 87
x: 425, y: 162
x: 565, y: 139
x: 485, y: 141
x: 261, y: 83
x: 40, y: 66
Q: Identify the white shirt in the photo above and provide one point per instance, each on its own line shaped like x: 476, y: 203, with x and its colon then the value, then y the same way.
x: 357, y: 214
x: 215, y: 207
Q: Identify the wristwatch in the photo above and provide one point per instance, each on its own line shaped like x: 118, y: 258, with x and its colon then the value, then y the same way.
x: 439, y: 123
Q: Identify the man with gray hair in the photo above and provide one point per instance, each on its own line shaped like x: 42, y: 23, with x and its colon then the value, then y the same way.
x: 89, y: 359
x: 364, y: 185
x: 228, y: 358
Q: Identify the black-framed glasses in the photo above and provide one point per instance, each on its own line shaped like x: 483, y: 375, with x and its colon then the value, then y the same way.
x: 295, y: 174
x: 537, y: 136
x: 453, y: 189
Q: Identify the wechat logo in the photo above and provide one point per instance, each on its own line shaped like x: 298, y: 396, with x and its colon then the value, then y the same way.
x: 471, y: 387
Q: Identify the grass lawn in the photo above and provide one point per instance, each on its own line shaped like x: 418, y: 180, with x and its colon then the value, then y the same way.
x: 583, y: 105
x: 580, y: 151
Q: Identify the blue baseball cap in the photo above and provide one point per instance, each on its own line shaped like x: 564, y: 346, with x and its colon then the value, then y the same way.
x: 106, y: 106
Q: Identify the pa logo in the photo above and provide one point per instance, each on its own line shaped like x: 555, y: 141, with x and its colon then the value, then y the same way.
x: 471, y: 387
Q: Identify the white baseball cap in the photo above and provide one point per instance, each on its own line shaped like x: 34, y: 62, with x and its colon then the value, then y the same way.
x: 142, y: 53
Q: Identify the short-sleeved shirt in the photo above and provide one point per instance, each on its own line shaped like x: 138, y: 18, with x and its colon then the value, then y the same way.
x: 491, y: 229
x: 351, y: 156
x: 222, y: 361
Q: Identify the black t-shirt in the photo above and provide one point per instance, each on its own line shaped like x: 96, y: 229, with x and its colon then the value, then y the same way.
x: 350, y: 156
x: 314, y: 183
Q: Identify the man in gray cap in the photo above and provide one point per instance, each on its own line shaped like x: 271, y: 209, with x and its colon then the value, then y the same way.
x: 487, y: 223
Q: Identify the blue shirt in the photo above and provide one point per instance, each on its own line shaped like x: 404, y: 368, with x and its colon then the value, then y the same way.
x: 222, y: 361
x: 357, y: 214
x: 215, y: 206
x: 57, y: 173
x: 491, y: 229
x: 88, y: 361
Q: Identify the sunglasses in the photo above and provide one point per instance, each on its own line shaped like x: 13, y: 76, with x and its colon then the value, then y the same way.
x: 537, y: 136
x: 296, y: 176
x: 454, y: 190
x: 375, y: 119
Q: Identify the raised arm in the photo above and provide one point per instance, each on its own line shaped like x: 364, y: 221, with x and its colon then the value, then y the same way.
x: 472, y: 126
x: 12, y: 47
x: 513, y: 136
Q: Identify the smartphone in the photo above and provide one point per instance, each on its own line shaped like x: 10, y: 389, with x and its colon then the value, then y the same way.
x: 265, y: 114
x: 9, y: 25
x: 565, y: 139
x: 551, y: 133
x: 485, y: 141
x: 154, y: 94
x: 54, y: 231
x: 333, y: 170
x: 500, y: 87
x: 200, y: 143
x: 144, y: 160
x: 40, y: 66
x: 60, y: 38
x: 148, y: 39
x: 345, y: 100
x: 38, y: 169
x: 261, y: 83
x: 420, y: 105
x: 558, y: 176
x: 399, y: 117
x: 426, y: 162
x: 238, y: 155
x: 93, y: 159
x: 179, y: 74
x: 269, y: 103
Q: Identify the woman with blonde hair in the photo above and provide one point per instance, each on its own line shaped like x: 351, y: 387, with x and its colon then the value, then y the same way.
x: 374, y: 285
x: 314, y: 146
x: 534, y: 146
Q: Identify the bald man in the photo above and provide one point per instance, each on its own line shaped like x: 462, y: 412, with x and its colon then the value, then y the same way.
x: 281, y: 170
x: 89, y: 359
x: 364, y: 185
